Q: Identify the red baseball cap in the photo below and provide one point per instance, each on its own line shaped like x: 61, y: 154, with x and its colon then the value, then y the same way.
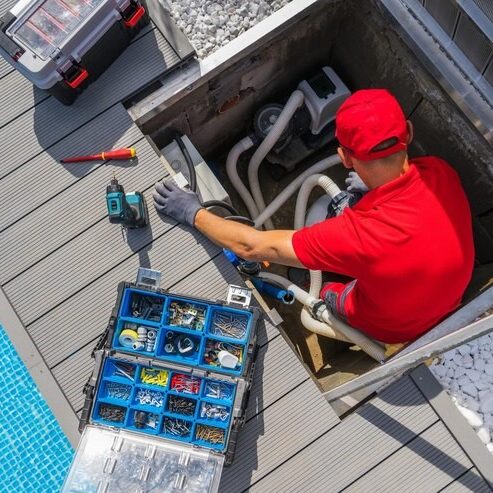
x: 366, y: 119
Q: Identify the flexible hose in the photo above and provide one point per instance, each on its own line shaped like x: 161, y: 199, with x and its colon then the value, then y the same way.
x: 232, y: 171
x: 369, y: 346
x: 222, y: 205
x: 188, y: 160
x: 281, y: 199
x: 310, y: 183
x: 332, y: 190
x: 294, y: 102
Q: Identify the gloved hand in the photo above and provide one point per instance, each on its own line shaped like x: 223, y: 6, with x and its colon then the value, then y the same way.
x: 181, y: 205
x: 355, y: 183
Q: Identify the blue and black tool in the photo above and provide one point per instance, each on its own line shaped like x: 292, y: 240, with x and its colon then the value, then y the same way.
x: 127, y: 209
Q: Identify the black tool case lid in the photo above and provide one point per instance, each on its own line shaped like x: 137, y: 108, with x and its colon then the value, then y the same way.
x: 116, y: 461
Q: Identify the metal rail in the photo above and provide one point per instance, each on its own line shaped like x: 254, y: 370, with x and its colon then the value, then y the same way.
x: 458, y: 333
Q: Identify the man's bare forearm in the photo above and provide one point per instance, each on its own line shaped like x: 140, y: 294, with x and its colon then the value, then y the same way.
x: 246, y: 241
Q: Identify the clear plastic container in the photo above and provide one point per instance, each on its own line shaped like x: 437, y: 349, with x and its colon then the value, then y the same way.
x: 50, y: 23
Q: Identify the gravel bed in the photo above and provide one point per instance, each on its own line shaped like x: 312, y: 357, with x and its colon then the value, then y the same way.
x: 210, y: 25
x: 465, y: 372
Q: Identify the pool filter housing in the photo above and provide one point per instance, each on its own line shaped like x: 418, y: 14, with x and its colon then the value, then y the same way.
x: 312, y: 126
x: 63, y: 45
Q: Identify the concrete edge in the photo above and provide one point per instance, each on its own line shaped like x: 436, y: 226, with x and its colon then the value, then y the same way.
x: 454, y: 421
x: 41, y: 374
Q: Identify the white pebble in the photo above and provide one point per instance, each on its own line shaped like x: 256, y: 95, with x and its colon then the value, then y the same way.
x: 486, y: 405
x: 466, y: 361
x: 439, y: 370
x: 489, y: 446
x: 489, y: 369
x: 473, y: 418
x: 470, y: 389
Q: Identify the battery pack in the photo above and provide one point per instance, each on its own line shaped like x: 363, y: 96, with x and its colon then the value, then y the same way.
x: 61, y: 46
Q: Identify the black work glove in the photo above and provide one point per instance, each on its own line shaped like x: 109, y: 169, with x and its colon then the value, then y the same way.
x: 181, y: 205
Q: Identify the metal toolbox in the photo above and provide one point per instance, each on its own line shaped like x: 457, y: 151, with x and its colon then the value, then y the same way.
x: 63, y: 45
x: 165, y: 419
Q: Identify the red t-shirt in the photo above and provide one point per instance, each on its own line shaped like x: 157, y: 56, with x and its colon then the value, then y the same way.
x: 408, y: 244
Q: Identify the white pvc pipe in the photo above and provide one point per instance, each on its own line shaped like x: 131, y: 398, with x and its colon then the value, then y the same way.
x: 370, y: 347
x: 232, y: 171
x: 294, y: 102
x: 281, y: 199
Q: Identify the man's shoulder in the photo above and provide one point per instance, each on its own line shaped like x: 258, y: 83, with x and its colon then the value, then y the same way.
x: 432, y: 162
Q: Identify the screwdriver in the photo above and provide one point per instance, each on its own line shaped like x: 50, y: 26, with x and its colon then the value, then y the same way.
x: 124, y: 153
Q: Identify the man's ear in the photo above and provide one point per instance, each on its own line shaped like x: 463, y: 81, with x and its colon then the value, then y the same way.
x: 345, y: 159
x: 410, y: 131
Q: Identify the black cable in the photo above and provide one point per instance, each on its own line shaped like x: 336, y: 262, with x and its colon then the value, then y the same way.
x: 241, y: 219
x: 222, y: 205
x: 188, y: 160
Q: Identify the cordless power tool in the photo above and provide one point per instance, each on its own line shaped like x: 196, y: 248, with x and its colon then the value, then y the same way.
x: 127, y: 209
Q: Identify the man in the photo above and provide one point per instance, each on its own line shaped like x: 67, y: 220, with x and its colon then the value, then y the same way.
x: 407, y: 244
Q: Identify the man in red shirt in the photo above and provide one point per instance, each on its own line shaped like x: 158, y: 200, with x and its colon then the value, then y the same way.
x: 407, y: 244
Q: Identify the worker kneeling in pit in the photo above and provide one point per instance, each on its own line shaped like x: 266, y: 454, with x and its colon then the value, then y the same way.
x: 407, y: 243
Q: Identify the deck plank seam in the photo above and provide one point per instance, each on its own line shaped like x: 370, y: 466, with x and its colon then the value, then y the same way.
x: 397, y: 450
x: 58, y: 141
x: 137, y: 37
x: 80, y: 348
x: 56, y: 195
x: 291, y: 456
x: 100, y: 276
x: 459, y: 477
x: 66, y: 243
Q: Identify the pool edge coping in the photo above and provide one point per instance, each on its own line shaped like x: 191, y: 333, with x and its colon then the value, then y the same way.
x: 39, y: 370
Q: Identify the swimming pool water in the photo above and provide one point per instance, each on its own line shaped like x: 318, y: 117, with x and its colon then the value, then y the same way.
x: 34, y: 452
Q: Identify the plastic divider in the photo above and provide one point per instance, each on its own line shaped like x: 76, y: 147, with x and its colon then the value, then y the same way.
x: 151, y: 309
x: 220, y: 326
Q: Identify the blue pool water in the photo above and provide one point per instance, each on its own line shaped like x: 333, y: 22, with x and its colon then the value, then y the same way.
x: 34, y: 452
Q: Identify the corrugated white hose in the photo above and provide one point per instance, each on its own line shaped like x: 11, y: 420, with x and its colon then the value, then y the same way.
x: 332, y: 190
x: 294, y: 102
x: 232, y: 171
x: 370, y: 347
x: 281, y: 199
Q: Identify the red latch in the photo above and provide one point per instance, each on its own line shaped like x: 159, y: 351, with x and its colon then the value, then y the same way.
x: 78, y: 78
x: 135, y: 17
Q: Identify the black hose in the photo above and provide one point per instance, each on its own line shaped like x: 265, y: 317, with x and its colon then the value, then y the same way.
x: 222, y: 205
x: 188, y: 160
x: 241, y: 219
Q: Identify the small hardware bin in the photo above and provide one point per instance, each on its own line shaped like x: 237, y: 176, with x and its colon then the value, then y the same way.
x: 161, y: 408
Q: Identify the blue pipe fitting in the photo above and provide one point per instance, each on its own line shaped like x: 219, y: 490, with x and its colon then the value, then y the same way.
x: 281, y: 294
x: 246, y: 266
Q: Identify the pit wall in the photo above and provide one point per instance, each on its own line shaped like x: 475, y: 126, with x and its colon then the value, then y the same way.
x: 355, y: 37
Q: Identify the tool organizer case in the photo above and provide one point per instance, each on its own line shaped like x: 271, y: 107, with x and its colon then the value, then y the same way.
x: 63, y: 45
x: 174, y: 409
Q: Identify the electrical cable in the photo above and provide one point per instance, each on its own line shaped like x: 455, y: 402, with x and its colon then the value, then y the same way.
x: 222, y: 205
x: 188, y: 160
x: 241, y: 219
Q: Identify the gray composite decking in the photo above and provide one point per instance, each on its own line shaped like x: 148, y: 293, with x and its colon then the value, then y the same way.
x: 61, y: 261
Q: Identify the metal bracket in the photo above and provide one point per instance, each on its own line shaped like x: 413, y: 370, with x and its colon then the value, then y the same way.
x: 149, y: 278
x: 239, y: 295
